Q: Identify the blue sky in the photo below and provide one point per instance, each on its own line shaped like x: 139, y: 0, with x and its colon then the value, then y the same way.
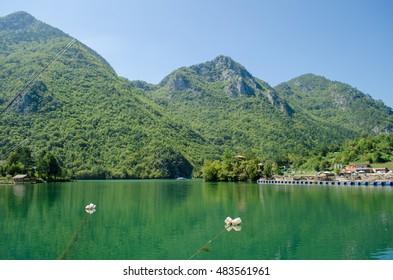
x: 350, y: 41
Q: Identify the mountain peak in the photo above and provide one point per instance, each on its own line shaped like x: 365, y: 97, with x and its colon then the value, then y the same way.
x: 225, y: 62
x: 337, y: 102
x: 20, y: 14
x: 16, y: 21
x: 229, y: 78
x: 221, y: 68
x: 27, y: 27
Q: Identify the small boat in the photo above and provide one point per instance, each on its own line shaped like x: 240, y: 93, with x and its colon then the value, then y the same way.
x: 181, y: 178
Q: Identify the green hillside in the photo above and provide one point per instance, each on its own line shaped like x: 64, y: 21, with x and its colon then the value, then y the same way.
x: 337, y: 103
x: 99, y: 125
x: 221, y: 100
x: 95, y: 122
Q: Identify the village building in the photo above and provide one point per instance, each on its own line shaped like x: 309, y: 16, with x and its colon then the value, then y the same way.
x: 21, y: 178
x: 381, y: 170
x: 240, y: 157
x: 359, y: 168
x: 356, y: 168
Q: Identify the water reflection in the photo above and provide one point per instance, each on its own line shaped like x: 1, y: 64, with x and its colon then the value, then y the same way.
x: 172, y: 219
x: 235, y: 228
x: 19, y: 191
x: 176, y: 193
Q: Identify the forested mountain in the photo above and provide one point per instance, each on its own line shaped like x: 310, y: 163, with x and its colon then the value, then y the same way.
x: 100, y: 125
x: 235, y: 111
x: 337, y: 103
x: 80, y: 110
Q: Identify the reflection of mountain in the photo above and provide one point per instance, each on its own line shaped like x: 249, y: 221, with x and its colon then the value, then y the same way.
x: 176, y: 193
x: 173, y: 219
x: 14, y: 200
x: 19, y: 191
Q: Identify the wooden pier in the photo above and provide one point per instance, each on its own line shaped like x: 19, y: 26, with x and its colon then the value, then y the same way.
x: 333, y: 182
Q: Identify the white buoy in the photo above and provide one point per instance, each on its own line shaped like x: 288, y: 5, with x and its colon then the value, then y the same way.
x: 228, y: 221
x: 90, y: 208
x: 235, y: 228
x: 234, y: 222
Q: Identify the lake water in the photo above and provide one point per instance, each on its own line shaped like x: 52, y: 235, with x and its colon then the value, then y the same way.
x: 180, y: 220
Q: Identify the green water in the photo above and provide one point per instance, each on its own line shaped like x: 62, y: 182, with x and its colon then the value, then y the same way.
x: 169, y: 219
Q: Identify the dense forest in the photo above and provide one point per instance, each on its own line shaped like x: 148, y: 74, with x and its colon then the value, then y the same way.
x: 377, y: 150
x: 79, y: 119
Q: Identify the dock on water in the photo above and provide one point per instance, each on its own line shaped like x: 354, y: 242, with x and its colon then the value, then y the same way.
x: 332, y: 182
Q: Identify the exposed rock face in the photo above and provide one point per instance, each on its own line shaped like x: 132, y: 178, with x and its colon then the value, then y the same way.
x: 234, y: 80
x: 37, y: 98
x: 222, y: 68
x: 179, y: 82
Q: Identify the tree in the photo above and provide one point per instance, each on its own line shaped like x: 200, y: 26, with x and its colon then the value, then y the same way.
x: 210, y: 170
x: 49, y: 166
x: 20, y: 161
x: 268, y: 169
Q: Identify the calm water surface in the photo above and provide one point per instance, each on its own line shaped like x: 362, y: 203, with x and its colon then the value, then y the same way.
x: 169, y: 219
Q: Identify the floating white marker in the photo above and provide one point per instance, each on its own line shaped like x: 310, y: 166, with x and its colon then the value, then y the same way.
x: 235, y: 228
x: 90, y: 208
x: 234, y: 222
